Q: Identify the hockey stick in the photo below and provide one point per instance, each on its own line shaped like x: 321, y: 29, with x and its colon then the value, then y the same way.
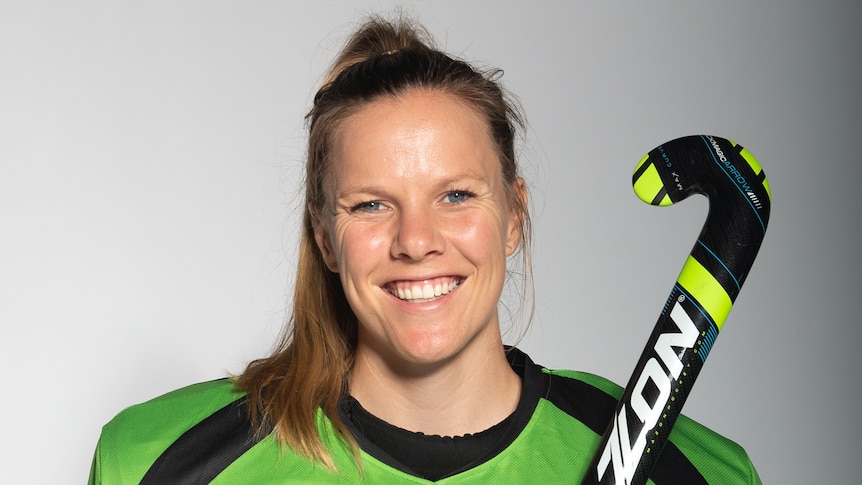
x: 710, y: 280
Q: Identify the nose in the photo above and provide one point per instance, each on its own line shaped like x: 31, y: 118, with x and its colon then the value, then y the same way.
x: 418, y: 235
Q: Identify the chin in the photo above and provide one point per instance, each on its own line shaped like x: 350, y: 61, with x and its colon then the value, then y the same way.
x: 433, y: 351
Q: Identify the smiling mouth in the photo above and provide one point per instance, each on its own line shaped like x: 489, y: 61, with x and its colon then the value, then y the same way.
x: 422, y: 291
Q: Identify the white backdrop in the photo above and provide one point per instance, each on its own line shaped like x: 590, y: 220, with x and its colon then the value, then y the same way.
x: 149, y: 161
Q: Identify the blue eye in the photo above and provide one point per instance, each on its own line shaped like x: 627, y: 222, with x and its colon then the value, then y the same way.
x: 456, y: 196
x: 370, y: 206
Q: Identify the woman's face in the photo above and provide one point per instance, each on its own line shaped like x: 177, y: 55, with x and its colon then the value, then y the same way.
x: 418, y: 227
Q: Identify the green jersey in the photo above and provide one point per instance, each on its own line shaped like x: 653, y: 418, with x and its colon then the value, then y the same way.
x: 201, y: 434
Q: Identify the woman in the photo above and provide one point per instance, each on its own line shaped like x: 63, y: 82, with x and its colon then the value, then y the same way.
x: 393, y: 367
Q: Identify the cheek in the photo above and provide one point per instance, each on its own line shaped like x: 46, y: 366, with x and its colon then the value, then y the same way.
x: 357, y: 245
x: 480, y: 237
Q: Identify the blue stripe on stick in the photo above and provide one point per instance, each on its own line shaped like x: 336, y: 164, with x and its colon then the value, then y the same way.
x: 710, y: 251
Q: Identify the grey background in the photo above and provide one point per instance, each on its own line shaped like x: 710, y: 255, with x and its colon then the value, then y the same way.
x: 149, y: 161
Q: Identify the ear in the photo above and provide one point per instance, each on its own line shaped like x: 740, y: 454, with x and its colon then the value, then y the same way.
x: 516, y: 215
x: 321, y: 237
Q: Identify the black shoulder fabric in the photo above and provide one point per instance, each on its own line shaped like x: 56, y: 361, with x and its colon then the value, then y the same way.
x: 673, y: 467
x: 205, y: 450
x: 595, y: 408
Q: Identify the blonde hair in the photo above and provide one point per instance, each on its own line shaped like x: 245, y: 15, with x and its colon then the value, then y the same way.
x: 309, y: 367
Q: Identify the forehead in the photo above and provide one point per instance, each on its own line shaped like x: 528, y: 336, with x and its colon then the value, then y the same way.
x: 418, y: 131
x: 408, y: 109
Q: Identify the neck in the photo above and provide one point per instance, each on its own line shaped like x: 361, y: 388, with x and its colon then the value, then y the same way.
x: 466, y: 395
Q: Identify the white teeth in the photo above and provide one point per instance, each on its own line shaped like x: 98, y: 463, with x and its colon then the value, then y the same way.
x: 424, y: 292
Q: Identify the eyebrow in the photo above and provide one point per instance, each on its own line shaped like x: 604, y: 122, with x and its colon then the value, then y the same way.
x: 450, y: 182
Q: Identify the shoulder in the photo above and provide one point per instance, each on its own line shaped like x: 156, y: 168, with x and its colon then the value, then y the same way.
x: 181, y: 408
x: 592, y: 399
x: 135, y: 437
